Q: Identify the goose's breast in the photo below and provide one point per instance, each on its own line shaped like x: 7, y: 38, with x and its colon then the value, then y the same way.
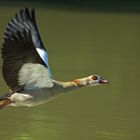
x: 32, y: 98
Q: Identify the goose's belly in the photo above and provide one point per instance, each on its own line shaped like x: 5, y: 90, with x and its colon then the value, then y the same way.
x: 32, y: 98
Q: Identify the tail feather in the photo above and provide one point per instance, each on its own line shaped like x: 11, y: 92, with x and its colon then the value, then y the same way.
x: 4, y: 100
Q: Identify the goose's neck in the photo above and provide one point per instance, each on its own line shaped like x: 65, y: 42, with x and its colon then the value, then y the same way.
x: 65, y: 86
x: 74, y: 84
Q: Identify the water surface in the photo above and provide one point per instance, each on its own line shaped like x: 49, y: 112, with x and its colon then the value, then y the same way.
x: 82, y: 43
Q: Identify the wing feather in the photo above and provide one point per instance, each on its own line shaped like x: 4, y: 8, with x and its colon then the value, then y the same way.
x: 21, y: 48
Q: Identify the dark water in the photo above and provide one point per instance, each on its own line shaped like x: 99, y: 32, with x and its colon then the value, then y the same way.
x: 82, y: 43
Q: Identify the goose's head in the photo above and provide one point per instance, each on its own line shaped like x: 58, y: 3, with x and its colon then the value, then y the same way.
x: 96, y: 80
x: 92, y: 80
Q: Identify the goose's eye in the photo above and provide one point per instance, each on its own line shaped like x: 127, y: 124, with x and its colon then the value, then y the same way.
x: 94, y: 77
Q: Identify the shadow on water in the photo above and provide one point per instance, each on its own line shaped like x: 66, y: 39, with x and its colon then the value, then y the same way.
x: 81, y: 43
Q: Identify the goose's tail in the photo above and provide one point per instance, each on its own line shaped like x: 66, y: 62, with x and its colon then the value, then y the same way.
x: 4, y: 100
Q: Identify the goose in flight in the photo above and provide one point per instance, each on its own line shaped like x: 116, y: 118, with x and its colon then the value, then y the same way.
x: 25, y: 65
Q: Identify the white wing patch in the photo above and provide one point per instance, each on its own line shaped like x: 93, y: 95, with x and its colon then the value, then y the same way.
x: 34, y: 76
x: 44, y: 56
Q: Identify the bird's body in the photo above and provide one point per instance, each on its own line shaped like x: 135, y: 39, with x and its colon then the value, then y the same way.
x: 25, y: 65
x: 33, y: 97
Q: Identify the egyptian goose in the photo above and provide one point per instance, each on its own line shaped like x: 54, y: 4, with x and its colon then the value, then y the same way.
x: 25, y: 65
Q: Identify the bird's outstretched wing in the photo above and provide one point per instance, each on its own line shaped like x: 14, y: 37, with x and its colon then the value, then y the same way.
x: 25, y: 60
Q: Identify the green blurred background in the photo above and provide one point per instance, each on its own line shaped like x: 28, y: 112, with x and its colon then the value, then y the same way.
x: 82, y: 38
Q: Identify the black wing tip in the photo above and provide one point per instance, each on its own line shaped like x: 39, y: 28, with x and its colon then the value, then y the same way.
x: 18, y: 21
x: 27, y: 9
x: 33, y: 15
x: 33, y: 11
x: 27, y: 12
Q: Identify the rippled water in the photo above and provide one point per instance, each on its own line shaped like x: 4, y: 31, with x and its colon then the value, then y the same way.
x: 82, y: 43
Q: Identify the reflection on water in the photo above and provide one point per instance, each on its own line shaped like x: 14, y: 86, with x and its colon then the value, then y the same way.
x: 111, y: 135
x: 80, y: 44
